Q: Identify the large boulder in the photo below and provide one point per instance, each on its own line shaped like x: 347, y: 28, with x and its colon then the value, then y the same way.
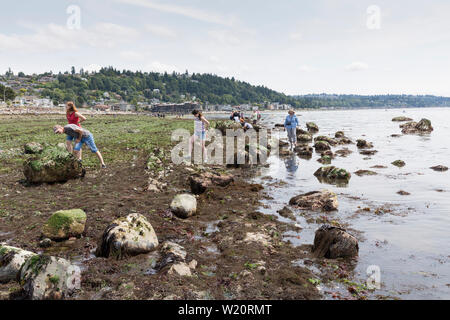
x: 33, y: 148
x: 53, y: 164
x: 363, y: 144
x: 127, y: 236
x: 317, y: 200
x: 322, y: 146
x: 331, y: 141
x: 11, y: 259
x: 312, y: 127
x: 300, y: 131
x: 48, y: 278
x: 184, y: 205
x: 332, y: 243
x: 339, y: 134
x: 423, y: 126
x: 332, y: 175
x: 201, y: 182
x: 65, y: 224
x: 304, y: 138
x: 439, y: 168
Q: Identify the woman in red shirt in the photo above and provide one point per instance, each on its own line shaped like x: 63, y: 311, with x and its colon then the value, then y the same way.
x: 73, y: 117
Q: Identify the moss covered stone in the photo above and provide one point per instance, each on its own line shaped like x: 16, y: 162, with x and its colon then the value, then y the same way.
x: 53, y: 164
x: 33, y: 148
x: 65, y: 224
x: 399, y: 163
x: 333, y: 175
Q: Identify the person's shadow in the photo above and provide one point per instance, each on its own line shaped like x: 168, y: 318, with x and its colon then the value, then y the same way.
x: 291, y: 163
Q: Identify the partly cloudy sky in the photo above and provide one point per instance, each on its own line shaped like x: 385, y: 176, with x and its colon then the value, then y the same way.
x: 293, y: 46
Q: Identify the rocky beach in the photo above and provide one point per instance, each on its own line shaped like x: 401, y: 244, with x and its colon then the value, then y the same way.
x: 303, y: 226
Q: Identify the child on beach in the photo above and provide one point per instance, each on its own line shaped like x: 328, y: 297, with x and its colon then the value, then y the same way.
x: 200, y: 127
x: 81, y: 136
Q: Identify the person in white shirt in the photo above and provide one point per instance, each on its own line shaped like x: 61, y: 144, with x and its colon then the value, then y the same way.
x: 200, y: 127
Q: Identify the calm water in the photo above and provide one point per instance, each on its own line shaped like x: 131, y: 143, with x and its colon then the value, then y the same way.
x: 410, y: 243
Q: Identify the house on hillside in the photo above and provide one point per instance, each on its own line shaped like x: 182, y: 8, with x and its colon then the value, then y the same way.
x: 123, y: 106
x: 101, y: 107
x: 186, y: 107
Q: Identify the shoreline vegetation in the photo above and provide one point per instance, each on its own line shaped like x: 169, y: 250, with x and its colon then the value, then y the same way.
x: 110, y: 85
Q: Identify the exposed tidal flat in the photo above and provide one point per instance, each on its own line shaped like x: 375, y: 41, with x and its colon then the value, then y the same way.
x: 238, y: 245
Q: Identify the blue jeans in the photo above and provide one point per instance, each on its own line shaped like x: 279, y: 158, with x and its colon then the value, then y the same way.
x: 89, y: 141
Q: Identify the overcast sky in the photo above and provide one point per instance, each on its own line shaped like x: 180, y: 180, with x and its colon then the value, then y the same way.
x: 293, y: 46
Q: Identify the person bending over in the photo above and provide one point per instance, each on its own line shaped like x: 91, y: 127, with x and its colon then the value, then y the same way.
x: 81, y: 136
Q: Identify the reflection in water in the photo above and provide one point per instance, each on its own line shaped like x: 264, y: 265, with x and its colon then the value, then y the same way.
x: 291, y: 163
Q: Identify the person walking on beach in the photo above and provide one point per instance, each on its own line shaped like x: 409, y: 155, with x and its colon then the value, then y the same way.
x: 73, y: 117
x: 255, y: 117
x: 291, y: 124
x: 235, y: 116
x: 81, y: 136
x: 200, y: 127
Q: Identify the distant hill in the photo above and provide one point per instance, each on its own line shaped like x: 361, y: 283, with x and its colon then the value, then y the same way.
x: 376, y: 101
x: 136, y: 87
x: 115, y: 85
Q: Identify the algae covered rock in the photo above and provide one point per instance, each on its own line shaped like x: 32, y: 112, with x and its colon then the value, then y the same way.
x: 325, y: 159
x: 49, y: 278
x: 184, y: 205
x: 312, y: 127
x: 11, y: 259
x: 339, y: 134
x: 422, y: 127
x: 33, y: 148
x: 399, y: 163
x: 201, y: 182
x: 304, y: 152
x: 363, y: 144
x: 324, y: 200
x: 65, y: 224
x: 401, y: 119
x: 333, y: 175
x: 53, y: 164
x: 331, y: 141
x: 127, y: 236
x: 361, y: 173
x: 304, y: 138
x: 322, y: 146
x: 332, y: 243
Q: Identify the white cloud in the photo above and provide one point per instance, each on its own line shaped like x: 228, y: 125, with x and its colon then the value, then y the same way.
x: 296, y: 36
x: 131, y: 55
x: 157, y: 66
x: 305, y: 68
x: 185, y: 11
x: 225, y: 37
x: 59, y: 37
x: 357, y: 66
x: 92, y: 68
x: 161, y: 31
